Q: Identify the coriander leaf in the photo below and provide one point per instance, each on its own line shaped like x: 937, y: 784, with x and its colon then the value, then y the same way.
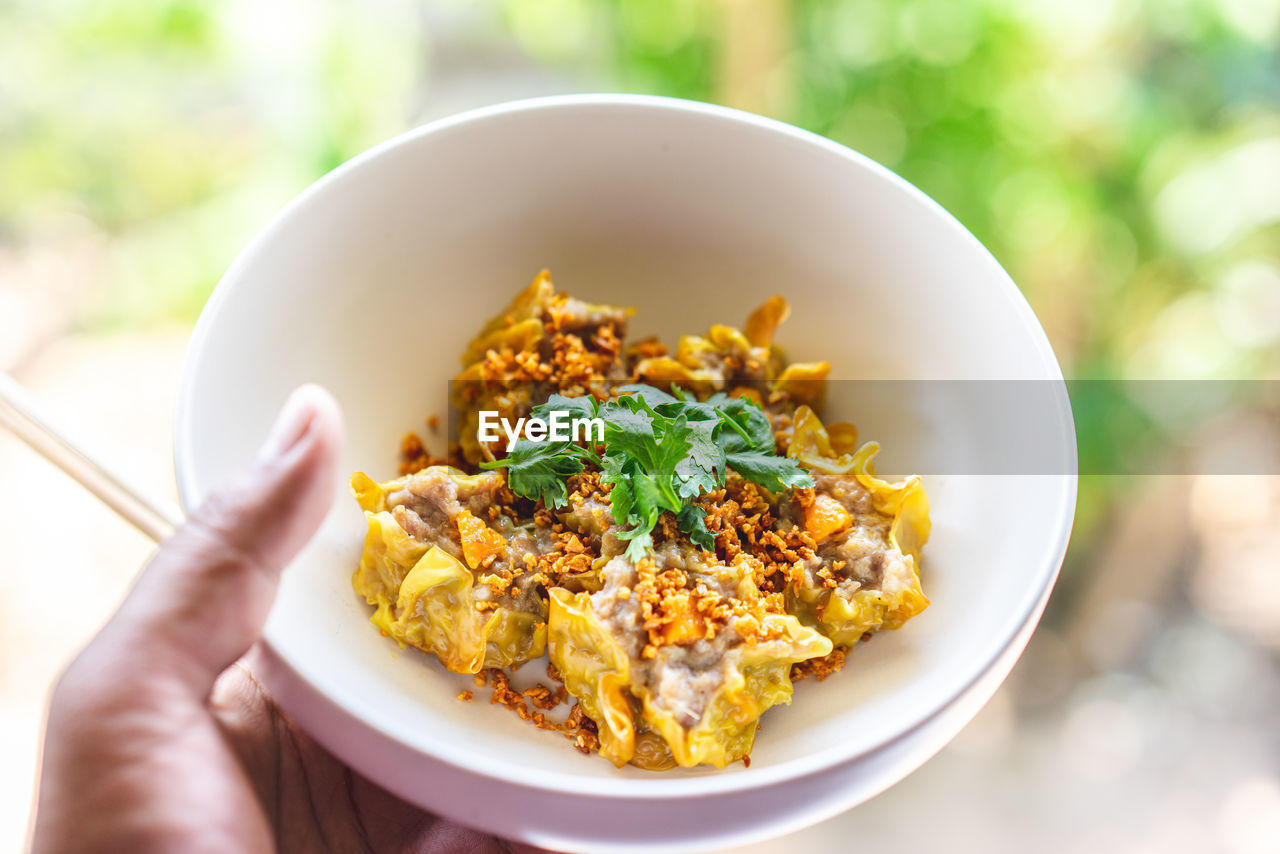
x: 760, y: 428
x: 690, y: 518
x: 612, y: 467
x: 639, y: 546
x: 640, y: 406
x: 720, y: 400
x: 694, y: 410
x: 771, y: 471
x: 652, y: 396
x: 748, y: 427
x: 644, y: 515
x: 672, y: 448
x: 656, y: 491
x: 647, y: 501
x: 703, y: 469
x: 621, y: 500
x: 704, y: 451
x: 539, y: 469
x: 630, y: 433
x: 576, y: 407
x: 692, y: 481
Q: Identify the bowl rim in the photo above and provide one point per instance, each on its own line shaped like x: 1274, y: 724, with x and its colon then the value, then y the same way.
x: 363, y: 714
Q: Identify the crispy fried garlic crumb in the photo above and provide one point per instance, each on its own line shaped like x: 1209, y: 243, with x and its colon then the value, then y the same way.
x: 820, y: 668
x: 577, y: 727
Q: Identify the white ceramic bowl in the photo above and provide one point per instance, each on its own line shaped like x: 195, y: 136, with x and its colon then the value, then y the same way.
x: 371, y: 282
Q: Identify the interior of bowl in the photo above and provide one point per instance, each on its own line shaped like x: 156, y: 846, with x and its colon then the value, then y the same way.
x: 373, y: 281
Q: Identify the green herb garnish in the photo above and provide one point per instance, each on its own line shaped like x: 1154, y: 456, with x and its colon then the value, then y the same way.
x: 661, y: 452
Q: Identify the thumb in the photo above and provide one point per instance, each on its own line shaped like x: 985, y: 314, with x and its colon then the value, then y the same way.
x: 202, y: 600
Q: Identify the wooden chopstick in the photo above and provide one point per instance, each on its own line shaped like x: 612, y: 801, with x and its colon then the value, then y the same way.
x: 19, y: 412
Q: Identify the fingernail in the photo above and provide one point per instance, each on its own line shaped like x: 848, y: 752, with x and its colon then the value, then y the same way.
x: 290, y: 425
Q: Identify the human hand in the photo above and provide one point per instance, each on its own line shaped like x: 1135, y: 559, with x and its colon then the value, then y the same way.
x: 160, y: 740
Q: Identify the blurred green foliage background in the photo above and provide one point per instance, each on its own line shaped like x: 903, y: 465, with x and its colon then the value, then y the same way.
x: 1121, y: 158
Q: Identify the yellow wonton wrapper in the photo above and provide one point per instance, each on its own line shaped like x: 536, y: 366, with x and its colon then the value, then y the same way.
x: 759, y: 678
x: 697, y: 362
x: 597, y: 671
x: 425, y: 597
x: 844, y: 619
x: 519, y: 328
x: 765, y: 320
x: 525, y: 330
